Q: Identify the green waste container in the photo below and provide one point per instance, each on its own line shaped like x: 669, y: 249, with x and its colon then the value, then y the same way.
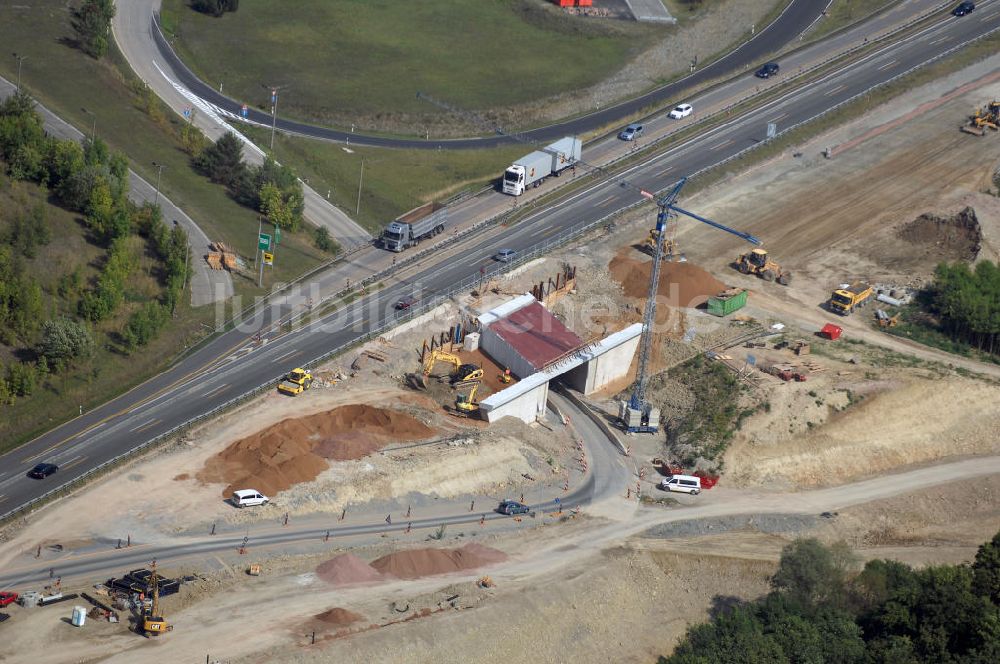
x: 727, y: 302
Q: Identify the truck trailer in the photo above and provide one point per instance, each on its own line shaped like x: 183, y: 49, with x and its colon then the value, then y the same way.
x: 410, y: 228
x: 531, y: 169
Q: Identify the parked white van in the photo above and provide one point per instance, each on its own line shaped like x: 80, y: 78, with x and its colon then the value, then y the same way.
x: 682, y: 484
x: 249, y: 498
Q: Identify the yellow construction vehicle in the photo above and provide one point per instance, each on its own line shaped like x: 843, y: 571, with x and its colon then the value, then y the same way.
x: 885, y: 320
x: 460, y: 372
x: 756, y: 261
x: 844, y: 301
x: 669, y: 245
x: 467, y: 404
x: 987, y: 117
x: 296, y: 382
x: 153, y: 622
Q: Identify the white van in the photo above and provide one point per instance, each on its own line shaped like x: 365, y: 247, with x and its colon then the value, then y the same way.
x: 249, y: 498
x: 682, y: 484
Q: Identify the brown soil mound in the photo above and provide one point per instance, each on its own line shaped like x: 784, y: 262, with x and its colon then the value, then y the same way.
x: 339, y: 617
x: 681, y: 284
x: 347, y: 569
x: 352, y: 432
x: 295, y: 450
x: 416, y: 563
x: 957, y: 237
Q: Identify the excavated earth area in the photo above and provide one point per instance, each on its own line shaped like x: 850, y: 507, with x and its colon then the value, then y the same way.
x: 297, y: 450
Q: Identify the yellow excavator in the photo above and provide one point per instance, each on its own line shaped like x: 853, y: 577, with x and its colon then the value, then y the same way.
x: 757, y: 261
x: 466, y: 404
x: 669, y: 246
x: 153, y: 622
x: 460, y: 372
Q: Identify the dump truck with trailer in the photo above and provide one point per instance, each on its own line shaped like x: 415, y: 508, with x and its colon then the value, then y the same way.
x: 846, y: 299
x: 409, y: 229
x: 531, y: 169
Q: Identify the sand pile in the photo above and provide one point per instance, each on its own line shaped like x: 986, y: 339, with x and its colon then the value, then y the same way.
x: 338, y: 617
x: 681, y: 284
x: 347, y: 569
x: 296, y: 450
x: 415, y: 563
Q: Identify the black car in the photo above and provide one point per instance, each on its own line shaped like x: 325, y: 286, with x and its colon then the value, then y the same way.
x: 42, y: 470
x: 511, y: 507
x: 768, y: 70
x: 963, y: 9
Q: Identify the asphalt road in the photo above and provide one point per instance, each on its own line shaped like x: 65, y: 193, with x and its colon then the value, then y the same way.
x: 172, y: 397
x: 797, y: 16
x: 607, y: 475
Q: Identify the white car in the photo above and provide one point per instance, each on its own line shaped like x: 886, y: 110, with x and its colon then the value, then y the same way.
x: 249, y: 498
x: 682, y: 111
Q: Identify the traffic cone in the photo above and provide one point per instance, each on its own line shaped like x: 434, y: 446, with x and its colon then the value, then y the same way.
x: 482, y: 520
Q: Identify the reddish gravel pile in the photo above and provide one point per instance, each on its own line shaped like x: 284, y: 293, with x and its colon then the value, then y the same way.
x: 338, y: 617
x: 681, y: 284
x: 347, y: 569
x: 415, y: 563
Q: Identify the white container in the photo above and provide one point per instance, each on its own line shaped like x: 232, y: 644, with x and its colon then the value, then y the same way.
x: 79, y: 616
x: 471, y: 342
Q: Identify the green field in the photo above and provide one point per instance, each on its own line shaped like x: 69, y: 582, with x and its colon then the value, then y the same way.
x: 365, y: 60
x: 67, y: 81
x: 394, y: 180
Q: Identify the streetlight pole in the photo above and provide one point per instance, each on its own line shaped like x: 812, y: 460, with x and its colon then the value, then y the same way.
x: 94, y: 130
x: 274, y: 114
x: 360, y: 181
x: 20, y: 59
x: 159, y: 172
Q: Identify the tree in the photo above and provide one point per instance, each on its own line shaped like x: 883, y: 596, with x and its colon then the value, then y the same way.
x: 92, y: 23
x: 223, y: 161
x: 215, y: 7
x: 324, y: 242
x: 811, y: 573
x: 986, y: 571
x: 64, y: 340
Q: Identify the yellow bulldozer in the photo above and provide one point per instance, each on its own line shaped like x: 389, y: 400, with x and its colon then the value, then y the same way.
x: 757, y: 261
x: 670, y: 250
x: 987, y: 117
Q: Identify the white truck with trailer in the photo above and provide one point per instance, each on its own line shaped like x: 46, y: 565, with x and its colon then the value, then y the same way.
x: 531, y: 169
x: 410, y: 228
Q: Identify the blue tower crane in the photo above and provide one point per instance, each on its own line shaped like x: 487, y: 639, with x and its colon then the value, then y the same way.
x: 637, y: 415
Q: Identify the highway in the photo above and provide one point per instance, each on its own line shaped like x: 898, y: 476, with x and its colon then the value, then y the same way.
x: 176, y: 396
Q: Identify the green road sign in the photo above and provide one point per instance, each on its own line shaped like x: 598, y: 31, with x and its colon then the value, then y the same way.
x: 264, y: 242
x: 277, y: 236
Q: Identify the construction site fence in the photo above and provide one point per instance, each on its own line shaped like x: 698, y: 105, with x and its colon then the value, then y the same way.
x: 400, y: 317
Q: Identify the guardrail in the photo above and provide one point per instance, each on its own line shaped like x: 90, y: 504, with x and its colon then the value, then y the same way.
x: 400, y: 317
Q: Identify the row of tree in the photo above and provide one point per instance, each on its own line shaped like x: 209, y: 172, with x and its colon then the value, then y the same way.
x: 92, y: 24
x: 967, y: 303
x: 270, y: 188
x: 215, y: 7
x: 91, y: 180
x: 890, y: 612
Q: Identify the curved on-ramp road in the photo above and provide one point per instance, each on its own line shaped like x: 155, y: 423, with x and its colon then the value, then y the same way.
x: 796, y: 17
